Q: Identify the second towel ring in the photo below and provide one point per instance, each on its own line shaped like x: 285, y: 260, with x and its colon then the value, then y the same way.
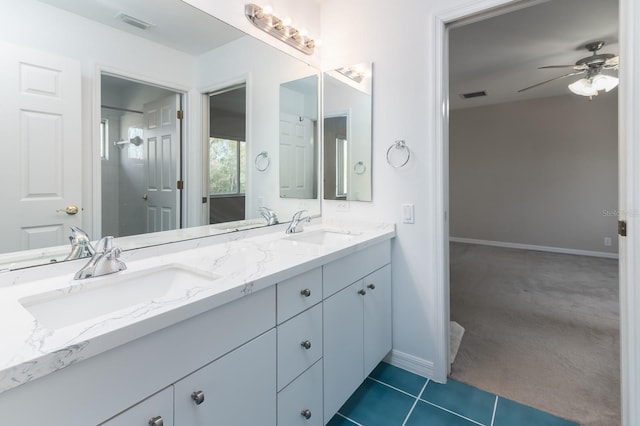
x: 262, y: 161
x: 398, y: 154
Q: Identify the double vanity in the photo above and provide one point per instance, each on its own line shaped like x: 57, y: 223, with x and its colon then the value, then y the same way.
x: 252, y: 328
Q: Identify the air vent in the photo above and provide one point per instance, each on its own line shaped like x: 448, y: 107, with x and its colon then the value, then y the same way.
x: 473, y: 95
x: 138, y: 23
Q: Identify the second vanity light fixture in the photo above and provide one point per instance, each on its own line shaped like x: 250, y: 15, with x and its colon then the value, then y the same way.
x: 281, y: 29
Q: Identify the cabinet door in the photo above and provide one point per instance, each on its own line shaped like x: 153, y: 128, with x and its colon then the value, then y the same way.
x: 377, y: 317
x: 343, y: 346
x: 238, y: 389
x: 156, y: 410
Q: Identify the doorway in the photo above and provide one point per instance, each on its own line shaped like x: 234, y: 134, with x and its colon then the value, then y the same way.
x: 141, y: 157
x: 514, y: 203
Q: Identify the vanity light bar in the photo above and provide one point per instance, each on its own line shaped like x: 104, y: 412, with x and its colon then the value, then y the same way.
x: 280, y: 29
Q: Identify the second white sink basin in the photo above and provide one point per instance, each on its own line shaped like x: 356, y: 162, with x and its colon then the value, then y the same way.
x: 95, y: 297
x: 321, y: 237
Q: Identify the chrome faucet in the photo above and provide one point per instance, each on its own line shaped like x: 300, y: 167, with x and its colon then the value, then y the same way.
x: 297, y: 222
x: 269, y: 215
x: 105, y: 261
x: 80, y: 244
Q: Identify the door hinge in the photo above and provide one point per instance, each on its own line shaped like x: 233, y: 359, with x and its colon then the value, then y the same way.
x: 622, y: 228
x: 180, y: 114
x: 180, y: 185
x: 204, y: 200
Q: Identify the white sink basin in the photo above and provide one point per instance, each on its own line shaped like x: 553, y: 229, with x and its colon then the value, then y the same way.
x: 321, y: 237
x: 95, y: 297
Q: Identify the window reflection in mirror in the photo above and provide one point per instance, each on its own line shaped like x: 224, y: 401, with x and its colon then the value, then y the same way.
x: 347, y: 94
x: 227, y: 154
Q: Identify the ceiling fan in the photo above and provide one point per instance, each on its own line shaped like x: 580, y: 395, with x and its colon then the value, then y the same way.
x: 591, y: 65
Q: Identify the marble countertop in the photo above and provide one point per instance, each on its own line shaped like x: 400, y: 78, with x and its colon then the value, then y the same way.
x: 244, y: 263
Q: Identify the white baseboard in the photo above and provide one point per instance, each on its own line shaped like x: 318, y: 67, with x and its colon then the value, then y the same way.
x: 534, y: 247
x: 411, y: 363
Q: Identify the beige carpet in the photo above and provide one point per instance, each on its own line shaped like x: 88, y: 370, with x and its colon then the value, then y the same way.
x: 540, y: 328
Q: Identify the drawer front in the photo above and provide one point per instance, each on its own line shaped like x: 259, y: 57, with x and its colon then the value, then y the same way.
x: 237, y: 389
x: 343, y: 272
x: 302, y: 399
x: 298, y: 293
x: 157, y: 409
x: 299, y: 344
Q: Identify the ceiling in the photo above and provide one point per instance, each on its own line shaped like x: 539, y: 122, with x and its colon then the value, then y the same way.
x: 501, y: 54
x: 175, y: 24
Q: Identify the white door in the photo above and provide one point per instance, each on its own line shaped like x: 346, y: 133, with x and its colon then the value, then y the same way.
x: 162, y: 156
x: 297, y: 146
x: 40, y: 165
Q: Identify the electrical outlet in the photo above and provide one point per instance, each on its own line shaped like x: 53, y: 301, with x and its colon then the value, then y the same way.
x: 607, y: 241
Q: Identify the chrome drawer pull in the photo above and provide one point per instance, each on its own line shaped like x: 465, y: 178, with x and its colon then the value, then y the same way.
x: 306, y: 344
x: 362, y: 292
x: 306, y: 414
x: 372, y: 286
x: 306, y: 292
x: 156, y: 421
x: 198, y: 397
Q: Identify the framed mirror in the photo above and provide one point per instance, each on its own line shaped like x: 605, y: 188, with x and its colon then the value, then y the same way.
x: 347, y: 94
x: 113, y: 60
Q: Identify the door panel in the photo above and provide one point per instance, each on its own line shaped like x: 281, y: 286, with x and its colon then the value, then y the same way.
x: 162, y: 161
x: 40, y: 118
x: 297, y: 146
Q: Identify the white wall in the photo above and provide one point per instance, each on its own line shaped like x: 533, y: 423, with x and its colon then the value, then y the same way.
x: 538, y: 172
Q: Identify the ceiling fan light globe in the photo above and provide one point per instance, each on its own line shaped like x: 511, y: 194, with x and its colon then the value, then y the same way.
x: 605, y: 82
x: 583, y: 87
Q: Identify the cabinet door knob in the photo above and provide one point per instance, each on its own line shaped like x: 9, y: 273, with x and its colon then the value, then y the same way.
x: 372, y: 286
x: 156, y: 421
x: 306, y: 292
x: 198, y: 397
x: 306, y: 344
x: 362, y: 292
x: 306, y: 414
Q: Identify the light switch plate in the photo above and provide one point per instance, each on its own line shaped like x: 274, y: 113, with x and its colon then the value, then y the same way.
x: 408, y: 213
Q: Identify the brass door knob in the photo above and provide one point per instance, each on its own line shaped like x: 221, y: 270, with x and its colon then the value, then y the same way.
x: 70, y: 210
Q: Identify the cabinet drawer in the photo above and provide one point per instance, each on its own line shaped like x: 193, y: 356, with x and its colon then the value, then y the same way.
x: 158, y: 408
x: 303, y: 397
x: 298, y: 293
x: 294, y: 336
x: 340, y: 273
x: 235, y: 390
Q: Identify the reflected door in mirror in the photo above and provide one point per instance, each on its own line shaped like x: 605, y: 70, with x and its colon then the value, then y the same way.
x: 40, y: 166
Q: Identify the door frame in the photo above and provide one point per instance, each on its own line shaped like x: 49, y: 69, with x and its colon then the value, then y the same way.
x: 95, y: 228
x: 628, y: 185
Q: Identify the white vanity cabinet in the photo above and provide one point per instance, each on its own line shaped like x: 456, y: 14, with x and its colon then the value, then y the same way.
x: 300, y: 345
x: 357, y: 322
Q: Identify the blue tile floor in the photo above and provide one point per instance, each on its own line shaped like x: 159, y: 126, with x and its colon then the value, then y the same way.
x: 391, y: 396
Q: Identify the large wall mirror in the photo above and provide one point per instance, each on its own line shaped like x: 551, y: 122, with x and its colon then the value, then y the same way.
x: 149, y: 120
x: 347, y: 133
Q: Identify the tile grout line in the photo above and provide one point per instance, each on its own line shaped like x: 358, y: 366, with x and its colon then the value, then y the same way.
x: 348, y: 419
x: 495, y: 407
x: 452, y: 412
x: 415, y: 403
x: 393, y: 387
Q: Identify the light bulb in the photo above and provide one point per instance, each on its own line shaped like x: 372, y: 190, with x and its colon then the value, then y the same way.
x: 604, y: 82
x: 267, y: 10
x: 583, y: 87
x: 286, y: 22
x: 304, y: 32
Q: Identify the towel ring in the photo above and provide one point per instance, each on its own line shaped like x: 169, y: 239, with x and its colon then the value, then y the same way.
x: 398, y: 154
x: 359, y: 168
x: 262, y: 161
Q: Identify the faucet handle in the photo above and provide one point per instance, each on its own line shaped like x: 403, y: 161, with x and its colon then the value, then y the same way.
x: 297, y: 215
x: 104, y: 245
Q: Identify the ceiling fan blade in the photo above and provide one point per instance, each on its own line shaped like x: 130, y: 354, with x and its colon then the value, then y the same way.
x: 550, y: 80
x: 612, y: 62
x: 575, y: 67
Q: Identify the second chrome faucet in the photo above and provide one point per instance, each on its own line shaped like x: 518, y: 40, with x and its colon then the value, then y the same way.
x: 297, y: 222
